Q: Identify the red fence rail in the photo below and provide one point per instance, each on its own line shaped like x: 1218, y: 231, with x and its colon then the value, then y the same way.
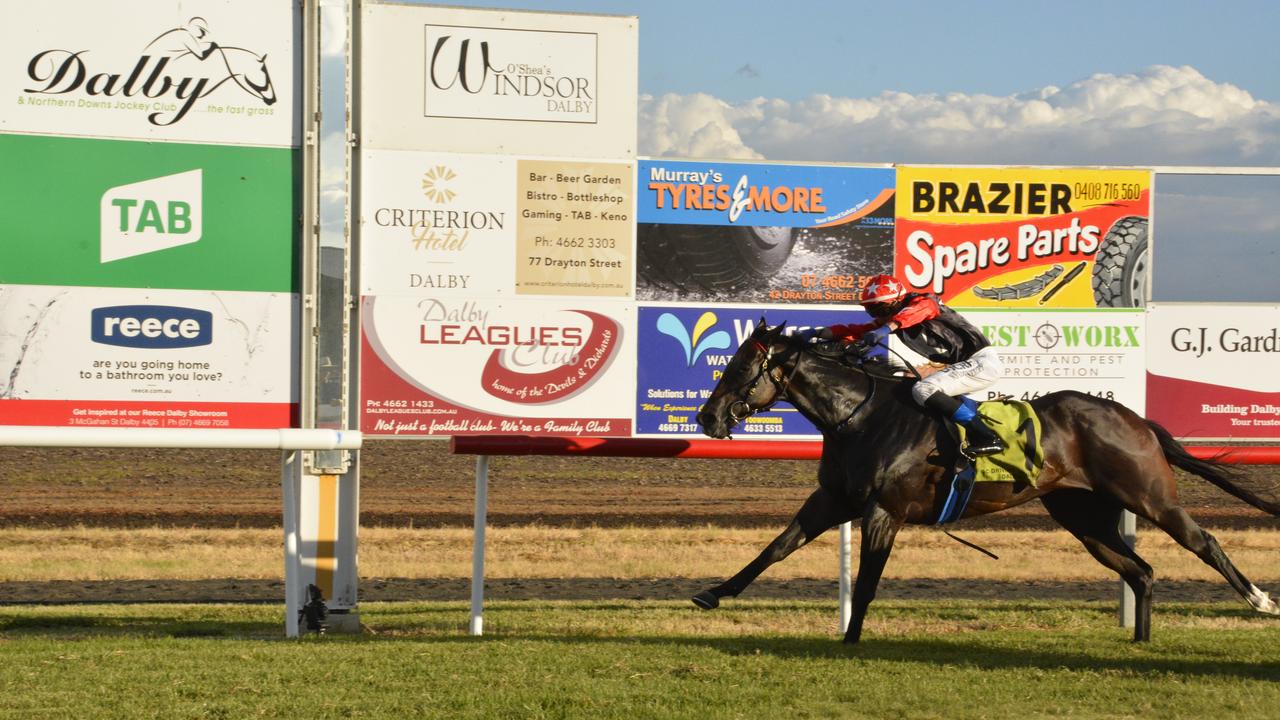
x: 746, y: 449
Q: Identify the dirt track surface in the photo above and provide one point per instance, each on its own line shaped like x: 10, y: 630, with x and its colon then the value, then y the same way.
x: 234, y: 590
x: 420, y: 484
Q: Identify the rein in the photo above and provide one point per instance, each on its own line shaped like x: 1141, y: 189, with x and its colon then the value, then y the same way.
x: 740, y: 410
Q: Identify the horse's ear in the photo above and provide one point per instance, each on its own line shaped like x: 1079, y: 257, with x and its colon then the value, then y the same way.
x: 776, y: 331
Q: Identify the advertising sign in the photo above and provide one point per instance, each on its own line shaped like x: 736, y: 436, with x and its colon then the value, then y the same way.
x: 498, y: 81
x: 753, y: 232
x: 137, y: 358
x: 575, y: 228
x: 217, y: 71
x: 682, y: 352
x: 1024, y: 237
x: 1211, y: 370
x: 454, y: 225
x: 438, y: 225
x: 1101, y: 353
x: 107, y: 213
x: 437, y: 366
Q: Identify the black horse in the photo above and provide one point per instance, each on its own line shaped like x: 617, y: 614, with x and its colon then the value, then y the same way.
x: 888, y: 462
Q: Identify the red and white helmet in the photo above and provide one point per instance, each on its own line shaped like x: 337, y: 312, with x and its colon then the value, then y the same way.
x: 882, y: 289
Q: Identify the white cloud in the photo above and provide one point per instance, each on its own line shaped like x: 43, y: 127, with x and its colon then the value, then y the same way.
x: 333, y: 28
x: 696, y: 125
x: 1161, y: 116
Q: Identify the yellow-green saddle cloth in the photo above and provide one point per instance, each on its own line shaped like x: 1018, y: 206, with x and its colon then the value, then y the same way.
x: 1019, y: 426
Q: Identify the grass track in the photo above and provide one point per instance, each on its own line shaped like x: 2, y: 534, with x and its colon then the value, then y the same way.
x: 641, y: 660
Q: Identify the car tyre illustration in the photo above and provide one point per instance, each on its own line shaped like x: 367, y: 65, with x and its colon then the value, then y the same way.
x: 1121, y: 266
x: 712, y: 258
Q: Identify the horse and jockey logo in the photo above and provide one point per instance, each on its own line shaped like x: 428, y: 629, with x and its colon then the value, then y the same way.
x: 183, y: 64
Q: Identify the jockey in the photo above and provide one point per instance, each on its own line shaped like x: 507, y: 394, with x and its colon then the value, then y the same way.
x: 940, y: 334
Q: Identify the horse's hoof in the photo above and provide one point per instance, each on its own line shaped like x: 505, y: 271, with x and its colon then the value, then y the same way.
x: 1261, y: 601
x: 706, y: 600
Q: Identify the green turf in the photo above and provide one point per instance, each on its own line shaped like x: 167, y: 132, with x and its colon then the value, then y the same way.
x: 640, y: 660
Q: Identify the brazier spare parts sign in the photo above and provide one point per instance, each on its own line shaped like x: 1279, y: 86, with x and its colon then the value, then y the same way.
x: 1024, y: 237
x: 218, y: 71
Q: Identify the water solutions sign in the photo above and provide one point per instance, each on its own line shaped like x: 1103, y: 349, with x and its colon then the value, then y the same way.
x: 498, y: 81
x: 1211, y: 370
x: 218, y: 71
x: 683, y: 352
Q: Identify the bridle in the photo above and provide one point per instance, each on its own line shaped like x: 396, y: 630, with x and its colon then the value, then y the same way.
x: 740, y: 409
x: 765, y: 371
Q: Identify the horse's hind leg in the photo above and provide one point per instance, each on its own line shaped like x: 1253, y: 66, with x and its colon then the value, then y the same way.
x: 1158, y: 503
x: 821, y: 512
x: 1175, y: 521
x: 1094, y: 520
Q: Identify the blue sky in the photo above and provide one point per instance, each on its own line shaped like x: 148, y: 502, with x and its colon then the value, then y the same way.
x: 740, y: 50
x: 1136, y: 83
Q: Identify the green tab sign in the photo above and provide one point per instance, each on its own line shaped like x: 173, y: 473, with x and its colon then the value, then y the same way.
x: 109, y: 213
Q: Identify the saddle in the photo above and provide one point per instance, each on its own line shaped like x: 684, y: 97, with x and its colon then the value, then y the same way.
x: 1021, y: 462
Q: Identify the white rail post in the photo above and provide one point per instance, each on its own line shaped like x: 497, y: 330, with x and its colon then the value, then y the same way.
x: 1128, y: 531
x: 477, y: 546
x: 290, y: 475
x: 846, y: 575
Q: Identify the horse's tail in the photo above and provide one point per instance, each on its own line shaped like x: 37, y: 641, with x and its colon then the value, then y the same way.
x: 1211, y: 470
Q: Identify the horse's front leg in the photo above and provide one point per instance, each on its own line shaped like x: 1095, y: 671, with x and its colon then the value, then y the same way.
x: 879, y: 528
x: 821, y: 512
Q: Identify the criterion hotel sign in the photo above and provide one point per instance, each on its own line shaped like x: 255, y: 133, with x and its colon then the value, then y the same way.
x: 510, y: 74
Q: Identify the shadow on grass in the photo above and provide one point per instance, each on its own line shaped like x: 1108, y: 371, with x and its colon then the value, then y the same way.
x: 979, y: 656
x: 69, y: 626
x: 995, y: 649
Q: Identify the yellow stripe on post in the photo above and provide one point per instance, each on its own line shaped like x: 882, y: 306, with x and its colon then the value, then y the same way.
x: 326, y: 533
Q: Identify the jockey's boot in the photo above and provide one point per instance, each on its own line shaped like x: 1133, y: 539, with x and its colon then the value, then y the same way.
x: 980, y: 439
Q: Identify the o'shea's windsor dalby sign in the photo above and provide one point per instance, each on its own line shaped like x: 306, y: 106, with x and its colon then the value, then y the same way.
x: 498, y: 81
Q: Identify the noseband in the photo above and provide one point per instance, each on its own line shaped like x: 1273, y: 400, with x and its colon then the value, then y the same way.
x: 780, y: 385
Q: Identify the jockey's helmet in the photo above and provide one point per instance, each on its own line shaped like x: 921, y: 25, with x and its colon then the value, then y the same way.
x: 881, y: 295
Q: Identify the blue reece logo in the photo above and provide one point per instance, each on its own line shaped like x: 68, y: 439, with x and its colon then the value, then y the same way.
x: 151, y: 326
x: 694, y: 344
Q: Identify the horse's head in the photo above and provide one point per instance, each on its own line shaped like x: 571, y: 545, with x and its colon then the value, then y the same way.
x: 249, y: 70
x: 750, y: 383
